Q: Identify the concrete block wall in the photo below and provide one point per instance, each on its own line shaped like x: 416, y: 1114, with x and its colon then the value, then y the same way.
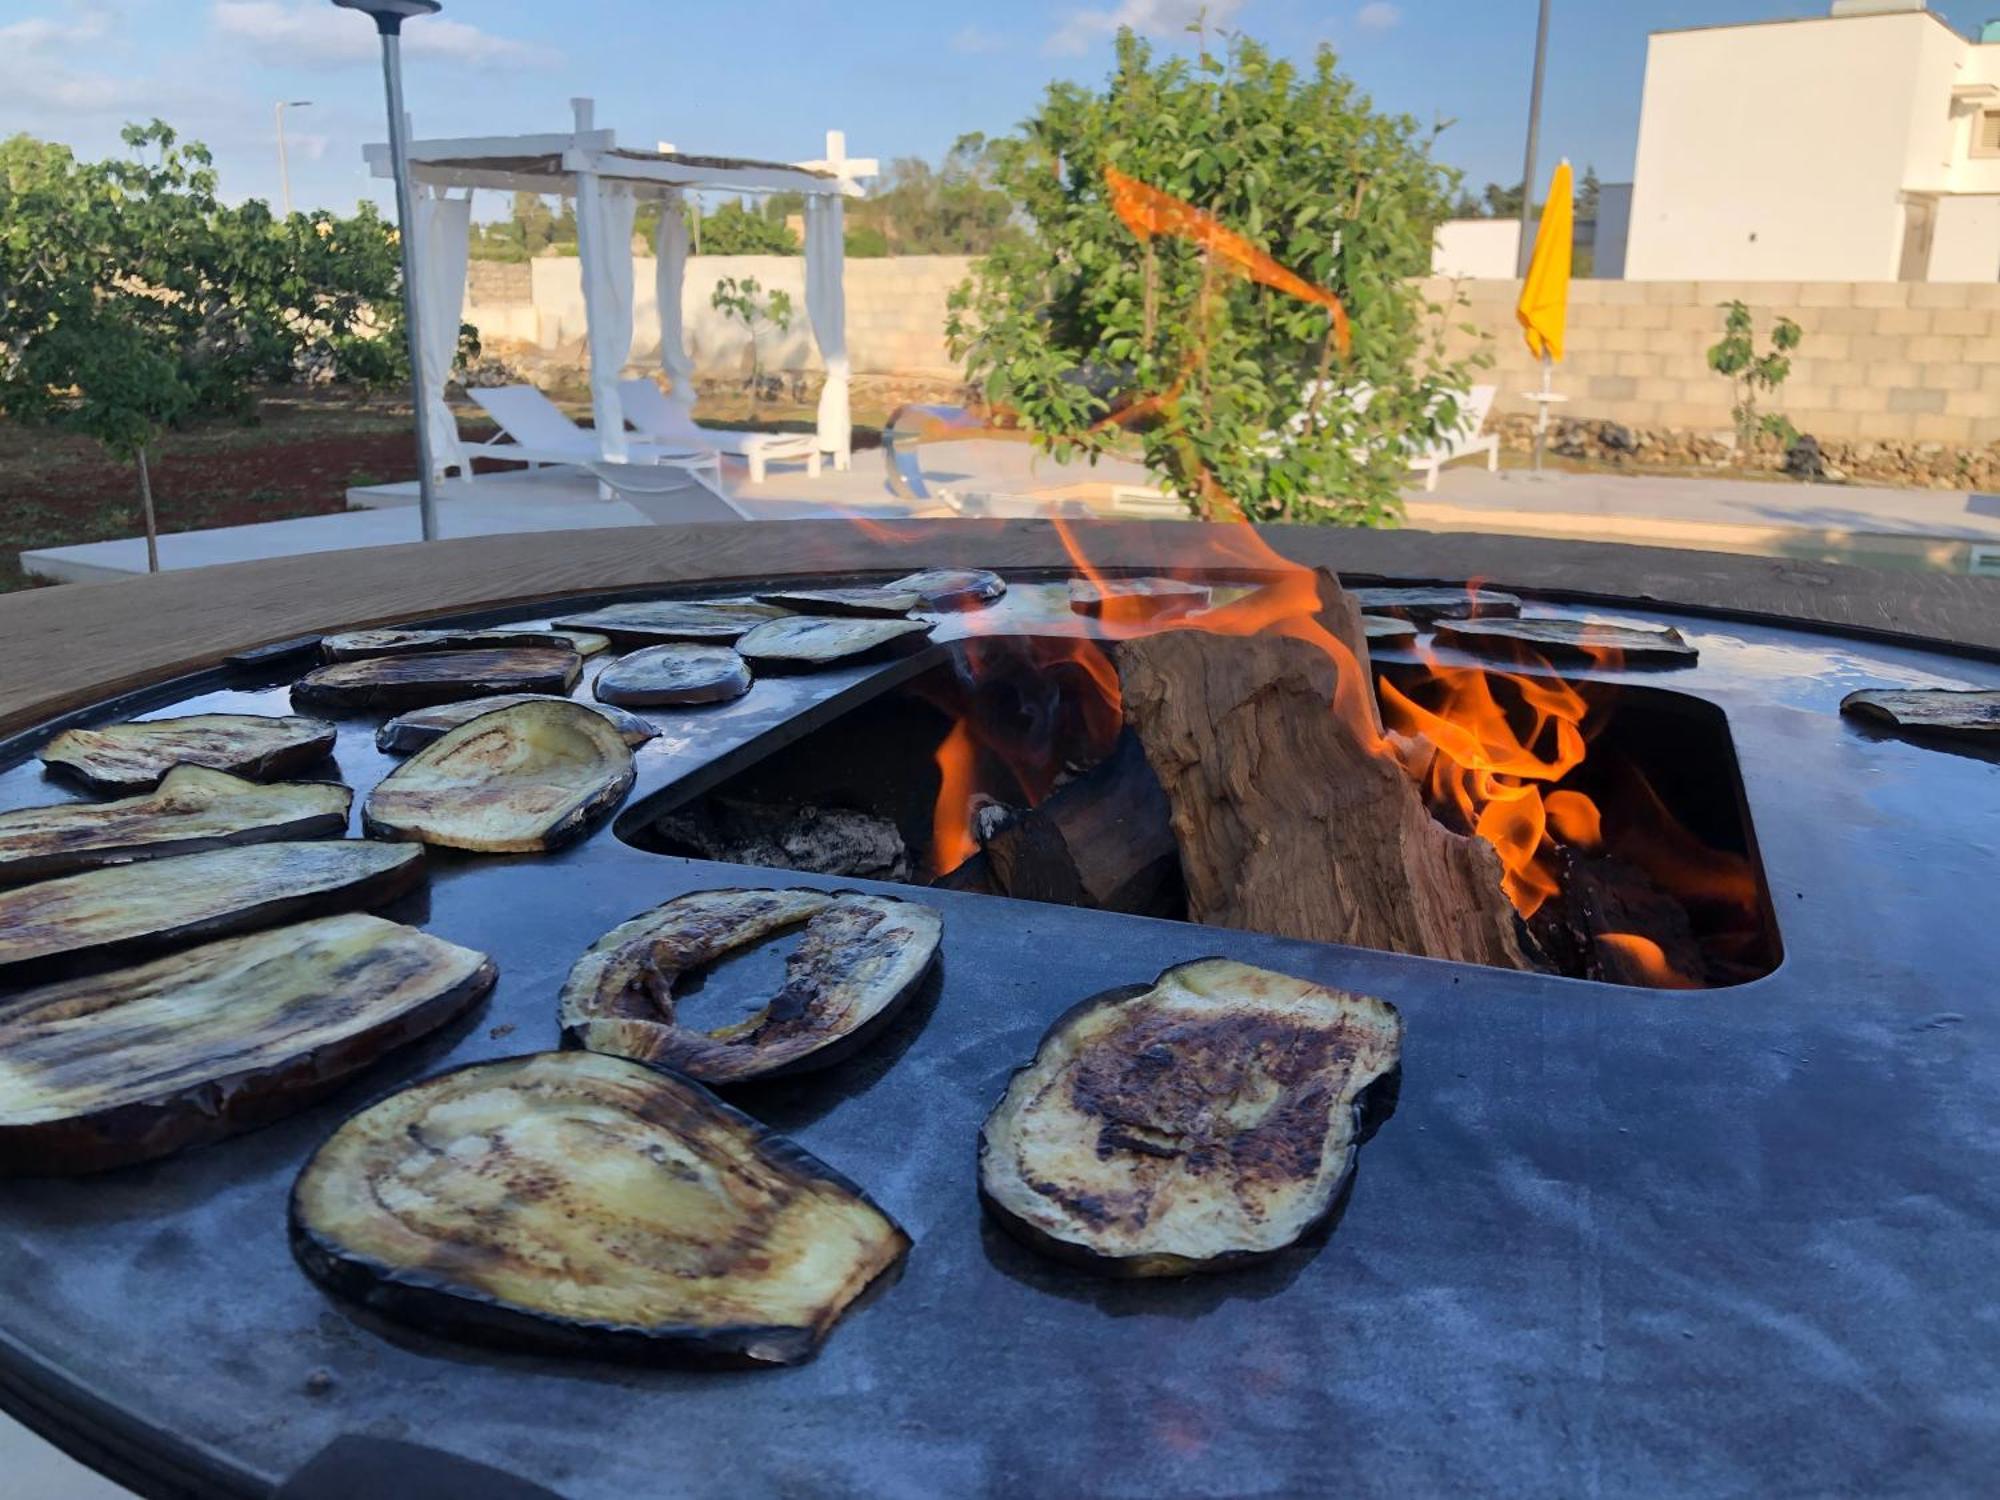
x: 1879, y: 360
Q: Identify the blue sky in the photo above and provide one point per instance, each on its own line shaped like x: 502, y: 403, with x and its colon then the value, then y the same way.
x: 768, y: 77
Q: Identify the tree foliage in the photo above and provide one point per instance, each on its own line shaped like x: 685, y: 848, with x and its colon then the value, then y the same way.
x: 955, y: 208
x: 1241, y: 395
x: 734, y: 230
x: 1751, y: 374
x: 746, y: 302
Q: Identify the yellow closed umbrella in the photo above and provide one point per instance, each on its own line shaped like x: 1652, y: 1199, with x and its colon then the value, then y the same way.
x: 1543, y: 311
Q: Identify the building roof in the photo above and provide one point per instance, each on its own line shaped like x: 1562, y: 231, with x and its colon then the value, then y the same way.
x: 1894, y: 15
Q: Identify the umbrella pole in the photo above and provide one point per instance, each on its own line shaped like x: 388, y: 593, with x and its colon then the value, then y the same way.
x: 1542, y: 416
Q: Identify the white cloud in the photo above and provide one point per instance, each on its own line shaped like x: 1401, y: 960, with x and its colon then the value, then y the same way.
x: 302, y: 33
x: 973, y: 40
x: 1083, y: 28
x: 1378, y: 15
x: 39, y: 77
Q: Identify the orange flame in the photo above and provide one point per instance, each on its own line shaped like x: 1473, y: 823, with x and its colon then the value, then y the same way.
x: 1148, y: 212
x: 1646, y: 958
x: 952, y: 843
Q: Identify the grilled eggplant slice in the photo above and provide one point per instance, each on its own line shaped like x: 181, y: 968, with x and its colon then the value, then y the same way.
x: 131, y: 1065
x: 862, y: 603
x: 667, y: 676
x: 192, y: 809
x: 1136, y: 598
x: 859, y: 962
x: 1570, y: 640
x: 418, y: 727
x: 520, y: 780
x: 356, y: 644
x: 170, y: 903
x: 1957, y: 713
x: 582, y: 1204
x: 953, y: 588
x: 1195, y: 1124
x: 802, y: 642
x: 1426, y: 606
x: 1387, y: 632
x: 437, y: 677
x: 654, y: 622
x: 133, y: 757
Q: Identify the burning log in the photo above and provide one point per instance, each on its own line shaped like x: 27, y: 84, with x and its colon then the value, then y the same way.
x: 1293, y: 818
x: 1103, y: 840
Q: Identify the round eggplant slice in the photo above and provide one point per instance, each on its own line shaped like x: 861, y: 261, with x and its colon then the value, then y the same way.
x: 170, y: 903
x: 862, y: 603
x: 356, y: 644
x: 1131, y: 599
x: 803, y: 642
x: 128, y: 1066
x: 655, y: 621
x: 859, y: 962
x: 417, y: 728
x: 1590, y: 641
x: 520, y: 780
x: 670, y: 676
x: 133, y: 757
x: 192, y: 809
x: 1195, y: 1124
x: 1426, y: 606
x: 437, y: 677
x: 953, y: 588
x: 573, y: 1203
x: 1962, y: 713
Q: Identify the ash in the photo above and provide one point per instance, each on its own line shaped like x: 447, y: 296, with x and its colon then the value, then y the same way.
x: 818, y: 840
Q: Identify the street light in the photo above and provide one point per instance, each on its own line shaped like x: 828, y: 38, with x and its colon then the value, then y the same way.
x: 389, y: 16
x: 1527, y: 248
x: 284, y: 168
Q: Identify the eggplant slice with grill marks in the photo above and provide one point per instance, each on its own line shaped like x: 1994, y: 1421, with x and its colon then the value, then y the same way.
x: 437, y: 677
x: 859, y: 962
x: 862, y: 603
x: 128, y: 1066
x: 1958, y: 713
x: 417, y: 728
x: 133, y: 757
x: 1131, y: 599
x: 1426, y: 606
x: 573, y: 1203
x: 190, y: 898
x: 804, y: 642
x: 357, y: 644
x: 1589, y: 641
x: 952, y: 588
x: 192, y: 809
x: 651, y: 622
x: 674, y: 675
x: 520, y: 780
x: 1198, y: 1123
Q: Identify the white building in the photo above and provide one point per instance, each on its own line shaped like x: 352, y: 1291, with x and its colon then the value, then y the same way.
x: 1859, y: 146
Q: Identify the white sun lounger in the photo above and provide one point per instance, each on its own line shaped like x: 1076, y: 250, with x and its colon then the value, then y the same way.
x: 537, y: 432
x: 661, y: 420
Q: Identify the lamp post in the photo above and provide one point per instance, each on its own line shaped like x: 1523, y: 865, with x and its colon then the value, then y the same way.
x: 284, y: 167
x: 389, y: 16
x: 1527, y: 247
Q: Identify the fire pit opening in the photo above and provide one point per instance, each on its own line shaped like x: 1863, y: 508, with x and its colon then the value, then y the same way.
x: 1008, y: 770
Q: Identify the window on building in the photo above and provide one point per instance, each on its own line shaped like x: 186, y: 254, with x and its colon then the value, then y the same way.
x: 1986, y: 133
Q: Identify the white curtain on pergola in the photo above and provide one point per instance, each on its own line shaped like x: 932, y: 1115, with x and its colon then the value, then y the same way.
x: 442, y: 230
x: 670, y: 245
x: 826, y: 304
x: 604, y: 215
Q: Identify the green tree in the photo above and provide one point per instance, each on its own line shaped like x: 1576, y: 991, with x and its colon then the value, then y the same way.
x: 530, y: 229
x: 1233, y: 388
x: 957, y: 208
x: 745, y: 302
x: 132, y: 299
x: 1749, y: 373
x: 733, y: 230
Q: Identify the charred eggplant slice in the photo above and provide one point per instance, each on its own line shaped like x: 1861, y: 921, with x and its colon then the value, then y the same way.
x: 170, y: 903
x: 1426, y: 606
x: 803, y: 642
x: 582, y: 1204
x: 1570, y: 641
x: 131, y: 1065
x: 357, y: 644
x: 863, y: 603
x: 437, y: 677
x: 417, y: 728
x: 192, y: 809
x: 1958, y: 713
x: 953, y: 588
x: 520, y: 780
x: 859, y: 962
x: 673, y: 676
x: 133, y: 757
x: 1136, y: 598
x: 1385, y: 631
x: 1198, y: 1123
x: 653, y: 621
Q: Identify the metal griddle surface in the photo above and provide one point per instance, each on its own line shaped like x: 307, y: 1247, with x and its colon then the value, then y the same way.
x: 1613, y: 1242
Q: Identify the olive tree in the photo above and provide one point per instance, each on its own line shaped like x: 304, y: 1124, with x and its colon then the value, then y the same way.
x: 1237, y: 391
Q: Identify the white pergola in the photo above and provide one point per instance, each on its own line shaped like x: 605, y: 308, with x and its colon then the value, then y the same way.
x: 607, y: 182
